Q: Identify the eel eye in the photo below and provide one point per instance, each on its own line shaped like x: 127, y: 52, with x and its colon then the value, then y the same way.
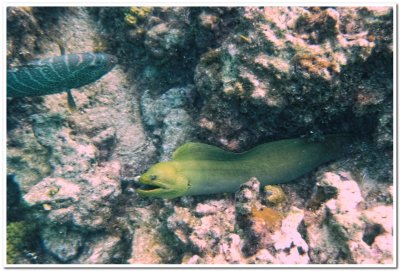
x: 153, y: 177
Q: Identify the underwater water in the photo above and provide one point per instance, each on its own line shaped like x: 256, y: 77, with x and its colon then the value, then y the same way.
x: 200, y: 135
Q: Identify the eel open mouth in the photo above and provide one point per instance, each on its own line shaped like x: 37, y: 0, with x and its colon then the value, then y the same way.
x: 147, y: 187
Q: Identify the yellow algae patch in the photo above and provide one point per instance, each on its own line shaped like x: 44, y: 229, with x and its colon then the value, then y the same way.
x: 267, y: 217
x: 274, y: 194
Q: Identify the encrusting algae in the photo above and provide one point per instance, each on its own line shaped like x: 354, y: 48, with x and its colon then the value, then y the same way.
x: 20, y: 237
x: 136, y: 14
x: 268, y: 217
x: 274, y: 194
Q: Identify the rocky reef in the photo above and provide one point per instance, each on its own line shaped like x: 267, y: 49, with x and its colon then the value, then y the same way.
x: 232, y: 77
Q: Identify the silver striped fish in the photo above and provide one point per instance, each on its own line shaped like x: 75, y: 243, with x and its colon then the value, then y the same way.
x: 58, y: 74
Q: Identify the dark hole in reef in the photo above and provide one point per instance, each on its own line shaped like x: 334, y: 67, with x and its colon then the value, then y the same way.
x: 301, y: 250
x: 321, y: 195
x: 371, y: 231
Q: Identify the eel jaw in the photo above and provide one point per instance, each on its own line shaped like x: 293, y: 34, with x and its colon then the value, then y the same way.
x: 163, y: 181
x: 154, y: 189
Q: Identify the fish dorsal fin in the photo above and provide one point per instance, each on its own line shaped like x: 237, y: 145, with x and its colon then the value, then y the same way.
x: 200, y: 151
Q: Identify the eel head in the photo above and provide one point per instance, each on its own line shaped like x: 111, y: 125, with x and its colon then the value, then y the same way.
x: 163, y: 181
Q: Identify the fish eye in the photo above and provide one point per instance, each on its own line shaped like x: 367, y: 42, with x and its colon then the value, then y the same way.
x: 153, y: 177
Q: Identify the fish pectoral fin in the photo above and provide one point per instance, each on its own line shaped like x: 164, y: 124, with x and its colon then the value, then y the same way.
x: 60, y: 46
x: 60, y: 42
x: 71, y: 101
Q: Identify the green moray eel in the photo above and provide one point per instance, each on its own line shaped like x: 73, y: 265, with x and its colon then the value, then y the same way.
x: 58, y: 74
x: 198, y: 169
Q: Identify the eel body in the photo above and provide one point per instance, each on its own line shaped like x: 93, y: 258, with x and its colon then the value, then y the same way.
x: 198, y: 169
x: 58, y: 74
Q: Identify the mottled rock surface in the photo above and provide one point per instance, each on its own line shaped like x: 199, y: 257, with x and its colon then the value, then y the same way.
x: 167, y: 118
x: 349, y: 233
x: 295, y: 65
x: 74, y: 179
